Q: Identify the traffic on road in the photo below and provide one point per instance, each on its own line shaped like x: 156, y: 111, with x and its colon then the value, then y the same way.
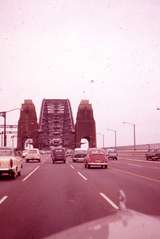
x: 50, y: 198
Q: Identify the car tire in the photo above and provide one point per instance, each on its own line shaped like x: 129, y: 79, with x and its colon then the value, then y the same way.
x: 13, y: 175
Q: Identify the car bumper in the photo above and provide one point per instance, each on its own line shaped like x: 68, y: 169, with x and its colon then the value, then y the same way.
x: 7, y: 170
x: 79, y: 160
x: 112, y: 157
x: 97, y: 164
x: 32, y: 158
x: 58, y: 159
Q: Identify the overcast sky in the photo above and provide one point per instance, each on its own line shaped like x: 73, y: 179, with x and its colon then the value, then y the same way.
x: 107, y: 51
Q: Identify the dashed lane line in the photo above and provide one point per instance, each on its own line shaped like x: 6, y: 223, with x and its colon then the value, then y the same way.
x: 82, y: 176
x: 23, y: 180
x: 72, y: 166
x: 109, y: 200
x: 3, y: 199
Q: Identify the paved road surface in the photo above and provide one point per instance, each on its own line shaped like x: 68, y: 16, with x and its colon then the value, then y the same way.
x: 48, y: 198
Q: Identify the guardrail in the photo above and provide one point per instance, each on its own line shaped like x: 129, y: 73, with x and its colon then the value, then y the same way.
x: 132, y: 153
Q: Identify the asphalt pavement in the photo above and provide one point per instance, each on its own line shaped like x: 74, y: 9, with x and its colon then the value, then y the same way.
x: 48, y: 198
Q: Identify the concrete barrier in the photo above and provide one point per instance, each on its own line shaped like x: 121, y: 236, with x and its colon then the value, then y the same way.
x: 132, y: 154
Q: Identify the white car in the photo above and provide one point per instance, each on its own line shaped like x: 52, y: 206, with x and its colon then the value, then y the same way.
x: 112, y: 154
x: 33, y: 154
x: 79, y: 155
x: 10, y: 162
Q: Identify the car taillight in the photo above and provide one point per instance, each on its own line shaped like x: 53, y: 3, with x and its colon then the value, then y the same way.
x: 11, y: 163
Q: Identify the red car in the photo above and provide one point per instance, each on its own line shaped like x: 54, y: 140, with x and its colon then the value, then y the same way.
x: 96, y: 158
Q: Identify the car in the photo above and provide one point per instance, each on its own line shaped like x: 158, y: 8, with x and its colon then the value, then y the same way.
x: 96, y: 158
x: 79, y: 155
x: 33, y: 154
x: 112, y: 154
x: 58, y: 155
x: 69, y: 153
x: 153, y: 154
x: 10, y: 162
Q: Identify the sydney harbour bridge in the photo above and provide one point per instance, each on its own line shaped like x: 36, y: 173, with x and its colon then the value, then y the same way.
x: 56, y: 123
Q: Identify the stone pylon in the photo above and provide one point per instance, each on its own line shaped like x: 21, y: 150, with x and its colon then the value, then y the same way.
x: 85, y: 124
x: 27, y: 125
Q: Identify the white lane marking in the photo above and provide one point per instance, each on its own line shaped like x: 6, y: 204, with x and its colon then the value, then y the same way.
x: 82, y: 176
x: 30, y: 174
x: 72, y: 166
x: 141, y: 161
x: 109, y: 201
x: 135, y: 165
x: 3, y: 199
x: 137, y: 175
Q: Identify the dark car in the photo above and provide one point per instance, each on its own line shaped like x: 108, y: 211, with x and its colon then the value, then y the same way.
x: 153, y: 154
x: 58, y: 155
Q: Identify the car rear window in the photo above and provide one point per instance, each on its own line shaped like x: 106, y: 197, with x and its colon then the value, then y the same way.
x: 97, y: 156
x: 33, y: 151
x: 79, y: 155
x: 61, y: 151
x: 96, y: 152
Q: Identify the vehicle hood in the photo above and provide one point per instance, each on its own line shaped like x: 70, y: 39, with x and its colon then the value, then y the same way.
x: 124, y: 224
x: 7, y: 158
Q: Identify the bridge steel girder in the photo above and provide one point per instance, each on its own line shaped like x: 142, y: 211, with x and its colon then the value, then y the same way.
x: 27, y: 125
x: 56, y: 122
x: 85, y: 125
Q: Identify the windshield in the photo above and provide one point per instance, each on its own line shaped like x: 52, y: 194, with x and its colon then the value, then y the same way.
x: 80, y: 90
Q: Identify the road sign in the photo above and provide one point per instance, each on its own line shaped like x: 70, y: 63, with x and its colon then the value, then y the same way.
x: 11, y: 126
x: 9, y: 132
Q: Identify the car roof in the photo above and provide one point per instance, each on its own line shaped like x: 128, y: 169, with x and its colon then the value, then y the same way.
x: 96, y: 150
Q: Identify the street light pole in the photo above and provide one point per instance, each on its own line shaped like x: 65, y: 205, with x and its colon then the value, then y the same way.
x: 134, y: 133
x: 3, y: 114
x: 115, y: 137
x: 102, y: 138
x: 134, y: 129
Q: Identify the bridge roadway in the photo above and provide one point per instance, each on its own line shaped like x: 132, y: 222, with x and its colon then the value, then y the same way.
x: 48, y: 198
